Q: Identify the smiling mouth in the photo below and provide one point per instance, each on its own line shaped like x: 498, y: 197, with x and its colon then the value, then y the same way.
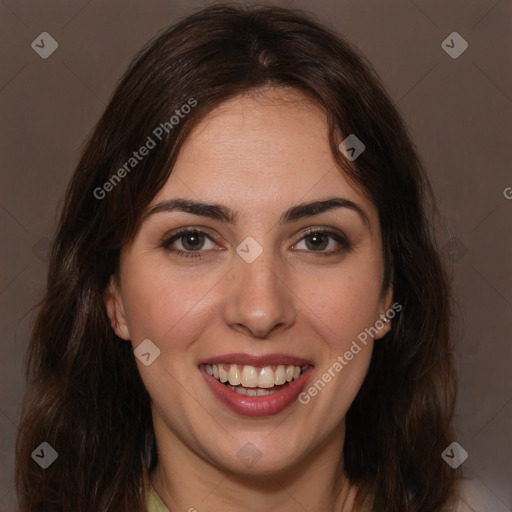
x: 255, y: 380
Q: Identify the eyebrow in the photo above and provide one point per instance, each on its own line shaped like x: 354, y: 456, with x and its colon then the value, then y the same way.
x: 222, y: 213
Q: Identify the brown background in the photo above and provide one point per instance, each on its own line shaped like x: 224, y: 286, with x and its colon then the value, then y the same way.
x: 459, y: 113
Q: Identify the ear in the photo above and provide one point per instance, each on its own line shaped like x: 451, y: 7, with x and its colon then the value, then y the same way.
x: 115, y: 309
x: 383, y: 323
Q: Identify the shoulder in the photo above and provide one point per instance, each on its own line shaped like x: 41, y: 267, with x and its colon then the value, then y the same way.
x: 471, y: 495
x: 153, y: 502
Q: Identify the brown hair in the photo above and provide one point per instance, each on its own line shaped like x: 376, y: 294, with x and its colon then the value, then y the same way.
x: 85, y: 395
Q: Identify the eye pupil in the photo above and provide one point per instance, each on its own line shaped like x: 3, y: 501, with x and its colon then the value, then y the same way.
x: 316, y: 240
x: 193, y: 240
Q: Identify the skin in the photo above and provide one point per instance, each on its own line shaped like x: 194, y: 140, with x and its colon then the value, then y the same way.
x: 258, y: 155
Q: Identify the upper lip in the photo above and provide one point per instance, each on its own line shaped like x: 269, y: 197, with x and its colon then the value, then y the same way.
x: 255, y: 360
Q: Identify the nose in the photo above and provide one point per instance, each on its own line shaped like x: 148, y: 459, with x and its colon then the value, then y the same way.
x: 259, y: 301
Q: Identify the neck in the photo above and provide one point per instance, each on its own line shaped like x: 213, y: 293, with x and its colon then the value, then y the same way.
x: 317, y: 483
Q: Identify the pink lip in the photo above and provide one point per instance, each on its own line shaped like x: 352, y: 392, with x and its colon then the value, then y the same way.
x: 254, y: 360
x: 257, y: 405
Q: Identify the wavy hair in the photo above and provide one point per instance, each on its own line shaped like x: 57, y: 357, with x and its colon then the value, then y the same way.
x: 85, y: 396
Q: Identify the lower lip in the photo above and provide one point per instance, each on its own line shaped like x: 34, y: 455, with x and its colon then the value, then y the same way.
x: 266, y: 405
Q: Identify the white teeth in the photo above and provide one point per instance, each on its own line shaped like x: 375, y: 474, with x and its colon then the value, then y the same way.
x: 250, y: 392
x: 251, y: 377
x: 266, y: 378
x: 280, y: 375
x: 223, y: 374
x: 234, y: 375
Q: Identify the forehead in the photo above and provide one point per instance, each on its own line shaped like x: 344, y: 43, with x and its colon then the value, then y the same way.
x: 268, y: 132
x: 259, y: 152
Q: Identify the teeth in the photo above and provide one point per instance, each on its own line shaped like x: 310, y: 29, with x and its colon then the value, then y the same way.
x: 266, y: 378
x: 234, y: 375
x: 251, y: 377
x: 250, y: 392
x: 223, y: 374
x: 280, y: 375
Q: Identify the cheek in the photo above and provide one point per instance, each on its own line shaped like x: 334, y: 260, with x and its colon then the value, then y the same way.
x: 340, y: 316
x: 345, y: 303
x: 164, y: 306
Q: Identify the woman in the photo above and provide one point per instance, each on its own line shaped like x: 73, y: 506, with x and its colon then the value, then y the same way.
x: 246, y: 307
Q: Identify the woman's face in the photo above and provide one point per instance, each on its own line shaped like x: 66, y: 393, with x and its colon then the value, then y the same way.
x: 282, y: 274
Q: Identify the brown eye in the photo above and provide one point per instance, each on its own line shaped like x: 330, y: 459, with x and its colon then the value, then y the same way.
x: 324, y: 243
x: 188, y: 243
x: 192, y: 241
x: 317, y: 241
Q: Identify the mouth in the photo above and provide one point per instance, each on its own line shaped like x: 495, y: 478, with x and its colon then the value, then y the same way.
x: 252, y: 380
x: 252, y: 390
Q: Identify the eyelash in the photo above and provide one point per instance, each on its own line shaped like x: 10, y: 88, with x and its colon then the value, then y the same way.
x: 346, y: 246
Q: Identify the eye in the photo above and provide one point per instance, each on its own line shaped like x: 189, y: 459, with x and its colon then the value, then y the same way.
x: 194, y: 243
x: 318, y: 240
x: 187, y: 241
